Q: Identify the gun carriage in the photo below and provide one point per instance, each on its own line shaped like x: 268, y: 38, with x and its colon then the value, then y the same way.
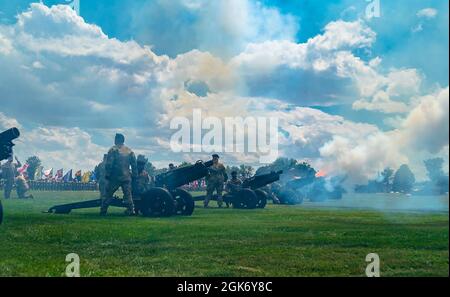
x: 250, y: 194
x: 165, y: 199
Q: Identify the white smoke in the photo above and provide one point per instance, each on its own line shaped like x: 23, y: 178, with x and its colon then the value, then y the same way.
x: 426, y: 128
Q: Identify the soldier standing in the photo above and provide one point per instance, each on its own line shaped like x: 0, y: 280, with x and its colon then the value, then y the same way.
x: 9, y: 170
x: 101, y: 175
x: 119, y: 160
x: 214, y: 181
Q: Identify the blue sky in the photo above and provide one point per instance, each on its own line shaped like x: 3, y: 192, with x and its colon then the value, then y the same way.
x: 334, y: 76
x: 396, y: 43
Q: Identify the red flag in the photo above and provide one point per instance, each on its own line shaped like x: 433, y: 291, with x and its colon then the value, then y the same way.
x: 22, y: 169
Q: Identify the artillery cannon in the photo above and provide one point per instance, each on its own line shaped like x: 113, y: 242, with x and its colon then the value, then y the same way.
x: 165, y: 199
x: 6, y: 145
x: 250, y: 195
x: 309, y: 188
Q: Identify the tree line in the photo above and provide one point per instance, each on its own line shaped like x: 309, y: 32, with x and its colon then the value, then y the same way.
x: 403, y: 180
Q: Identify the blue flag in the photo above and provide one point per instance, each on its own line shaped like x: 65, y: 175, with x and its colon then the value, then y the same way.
x: 68, y: 177
x: 92, y: 178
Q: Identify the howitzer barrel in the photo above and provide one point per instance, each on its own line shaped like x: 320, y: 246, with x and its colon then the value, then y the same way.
x: 182, y: 176
x: 9, y: 135
x: 6, y: 144
x: 263, y: 180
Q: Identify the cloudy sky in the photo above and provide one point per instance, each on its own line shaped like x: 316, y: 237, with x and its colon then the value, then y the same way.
x: 353, y: 95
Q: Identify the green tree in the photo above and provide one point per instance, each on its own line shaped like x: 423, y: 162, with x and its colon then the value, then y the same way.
x: 150, y: 168
x: 404, y: 180
x: 438, y: 180
x: 279, y: 164
x: 184, y: 164
x: 305, y: 170
x: 434, y: 168
x: 246, y: 171
x: 387, y: 178
x: 33, y: 163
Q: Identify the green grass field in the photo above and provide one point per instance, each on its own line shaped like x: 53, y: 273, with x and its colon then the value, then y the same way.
x: 276, y: 241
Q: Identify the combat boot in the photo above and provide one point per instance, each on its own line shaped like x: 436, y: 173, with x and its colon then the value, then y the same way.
x: 220, y: 201
x: 103, y: 212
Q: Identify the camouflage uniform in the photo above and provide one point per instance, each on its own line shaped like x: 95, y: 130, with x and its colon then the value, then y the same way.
x: 214, y: 182
x: 22, y: 187
x: 117, y: 172
x: 9, y: 170
x: 101, y: 176
x: 232, y: 186
x: 142, y: 181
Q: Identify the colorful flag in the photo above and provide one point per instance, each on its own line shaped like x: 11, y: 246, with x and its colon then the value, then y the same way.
x: 92, y: 178
x: 78, y: 176
x: 86, y: 177
x: 59, y: 175
x: 22, y: 169
x: 48, y: 174
x: 38, y: 174
x: 68, y: 177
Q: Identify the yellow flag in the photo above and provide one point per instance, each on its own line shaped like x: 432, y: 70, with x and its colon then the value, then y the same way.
x: 86, y: 177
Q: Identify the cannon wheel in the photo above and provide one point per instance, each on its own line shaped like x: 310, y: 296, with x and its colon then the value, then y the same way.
x: 290, y: 197
x: 184, y: 202
x: 262, y: 198
x: 318, y: 196
x: 157, y: 202
x: 245, y: 198
x: 1, y: 212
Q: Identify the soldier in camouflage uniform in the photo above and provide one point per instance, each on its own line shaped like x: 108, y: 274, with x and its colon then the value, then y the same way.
x: 232, y: 186
x: 100, y: 173
x: 142, y: 182
x: 119, y: 160
x: 214, y: 181
x: 22, y: 188
x: 9, y: 172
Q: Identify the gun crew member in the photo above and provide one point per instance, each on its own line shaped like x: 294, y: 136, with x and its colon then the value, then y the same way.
x: 215, y: 180
x: 119, y: 161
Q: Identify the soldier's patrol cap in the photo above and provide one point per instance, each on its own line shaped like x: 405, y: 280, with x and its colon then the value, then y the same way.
x: 215, y: 156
